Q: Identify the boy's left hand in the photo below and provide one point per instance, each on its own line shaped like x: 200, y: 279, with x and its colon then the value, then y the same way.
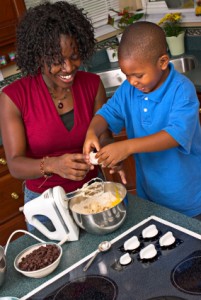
x: 110, y: 155
x: 119, y: 169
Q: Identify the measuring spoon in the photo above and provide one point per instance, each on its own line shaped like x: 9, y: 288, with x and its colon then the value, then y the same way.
x: 102, y: 247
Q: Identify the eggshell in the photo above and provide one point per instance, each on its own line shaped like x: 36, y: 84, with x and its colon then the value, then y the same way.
x: 93, y: 160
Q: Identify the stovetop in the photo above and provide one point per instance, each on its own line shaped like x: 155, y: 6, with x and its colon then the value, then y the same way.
x: 173, y: 273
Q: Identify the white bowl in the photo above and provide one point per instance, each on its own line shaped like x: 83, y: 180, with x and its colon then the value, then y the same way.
x: 41, y: 272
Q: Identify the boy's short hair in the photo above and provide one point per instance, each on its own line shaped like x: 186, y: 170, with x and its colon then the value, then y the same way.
x: 143, y: 39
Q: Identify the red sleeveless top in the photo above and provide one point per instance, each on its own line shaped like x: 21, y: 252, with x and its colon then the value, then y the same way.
x: 45, y: 132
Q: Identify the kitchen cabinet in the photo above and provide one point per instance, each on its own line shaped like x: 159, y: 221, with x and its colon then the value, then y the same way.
x: 11, y: 198
x: 10, y: 13
x: 128, y: 166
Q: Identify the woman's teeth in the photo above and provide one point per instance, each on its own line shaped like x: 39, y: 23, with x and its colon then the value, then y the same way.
x: 66, y: 77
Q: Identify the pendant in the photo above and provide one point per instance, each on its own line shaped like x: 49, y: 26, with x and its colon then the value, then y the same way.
x: 60, y: 105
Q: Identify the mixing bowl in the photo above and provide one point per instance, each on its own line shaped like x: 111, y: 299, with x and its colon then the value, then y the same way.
x: 41, y: 272
x: 2, y: 266
x: 105, y: 221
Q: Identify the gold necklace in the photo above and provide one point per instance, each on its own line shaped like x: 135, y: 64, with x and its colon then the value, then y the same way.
x: 60, y: 104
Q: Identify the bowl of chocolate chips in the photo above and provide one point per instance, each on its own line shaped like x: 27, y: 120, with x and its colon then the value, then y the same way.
x: 38, y: 260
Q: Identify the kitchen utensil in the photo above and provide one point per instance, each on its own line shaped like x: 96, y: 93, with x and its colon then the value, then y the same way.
x: 2, y: 266
x: 94, y: 187
x: 106, y: 221
x: 53, y: 204
x: 102, y: 247
x: 41, y: 272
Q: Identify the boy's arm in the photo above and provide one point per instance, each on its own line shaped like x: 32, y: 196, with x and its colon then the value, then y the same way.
x: 95, y: 139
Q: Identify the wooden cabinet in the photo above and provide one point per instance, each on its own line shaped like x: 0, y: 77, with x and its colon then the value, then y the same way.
x: 10, y: 13
x: 128, y: 166
x: 11, y: 198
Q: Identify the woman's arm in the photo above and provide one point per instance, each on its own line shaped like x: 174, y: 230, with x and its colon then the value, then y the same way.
x: 71, y: 166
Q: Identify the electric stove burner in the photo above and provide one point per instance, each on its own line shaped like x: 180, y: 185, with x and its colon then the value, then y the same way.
x: 92, y: 287
x: 186, y: 275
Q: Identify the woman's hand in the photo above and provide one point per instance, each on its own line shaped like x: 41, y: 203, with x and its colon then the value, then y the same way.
x: 70, y: 166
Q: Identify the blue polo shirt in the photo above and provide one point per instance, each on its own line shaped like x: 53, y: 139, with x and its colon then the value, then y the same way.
x: 172, y: 177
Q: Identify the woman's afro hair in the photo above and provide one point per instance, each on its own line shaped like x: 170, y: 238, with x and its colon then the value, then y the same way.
x: 38, y: 35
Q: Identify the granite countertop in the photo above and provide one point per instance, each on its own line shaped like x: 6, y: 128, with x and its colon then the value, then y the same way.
x: 18, y: 285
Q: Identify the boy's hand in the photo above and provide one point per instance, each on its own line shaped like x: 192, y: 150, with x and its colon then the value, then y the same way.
x: 119, y: 169
x: 110, y: 155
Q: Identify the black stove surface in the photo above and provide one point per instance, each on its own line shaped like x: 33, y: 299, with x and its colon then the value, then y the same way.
x: 87, y: 287
x: 164, y: 277
x: 186, y: 276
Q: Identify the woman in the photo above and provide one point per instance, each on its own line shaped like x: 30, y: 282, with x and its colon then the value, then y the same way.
x: 45, y: 115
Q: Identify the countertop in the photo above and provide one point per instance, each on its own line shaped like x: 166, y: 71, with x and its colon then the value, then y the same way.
x: 18, y: 285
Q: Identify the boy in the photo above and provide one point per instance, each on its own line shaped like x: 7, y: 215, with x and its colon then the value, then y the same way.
x: 159, y: 109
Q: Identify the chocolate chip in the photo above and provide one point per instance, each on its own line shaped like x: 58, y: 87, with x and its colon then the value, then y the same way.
x: 39, y: 258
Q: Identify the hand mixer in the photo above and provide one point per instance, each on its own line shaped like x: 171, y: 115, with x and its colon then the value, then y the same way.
x: 53, y: 204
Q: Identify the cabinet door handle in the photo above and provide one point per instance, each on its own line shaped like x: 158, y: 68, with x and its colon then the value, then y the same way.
x: 200, y: 110
x: 3, y: 161
x: 14, y: 195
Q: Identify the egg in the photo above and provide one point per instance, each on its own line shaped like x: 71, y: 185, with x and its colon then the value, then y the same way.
x: 93, y: 160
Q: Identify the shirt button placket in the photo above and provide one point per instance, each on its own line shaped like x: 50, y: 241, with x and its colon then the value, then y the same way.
x: 146, y: 116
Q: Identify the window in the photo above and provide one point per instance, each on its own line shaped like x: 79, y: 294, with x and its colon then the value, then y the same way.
x: 155, y: 10
x: 97, y: 10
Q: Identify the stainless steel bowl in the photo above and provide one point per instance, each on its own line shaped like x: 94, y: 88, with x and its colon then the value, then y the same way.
x: 106, y: 221
x: 2, y: 266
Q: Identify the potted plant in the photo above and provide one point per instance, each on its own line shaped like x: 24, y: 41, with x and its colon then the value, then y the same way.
x: 126, y: 18
x: 171, y: 24
x: 112, y: 53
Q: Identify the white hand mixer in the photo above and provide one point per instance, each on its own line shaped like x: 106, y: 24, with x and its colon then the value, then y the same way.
x: 53, y: 204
